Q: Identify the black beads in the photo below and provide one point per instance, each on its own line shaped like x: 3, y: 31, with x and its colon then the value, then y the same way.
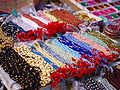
x: 10, y: 29
x: 19, y: 70
x: 91, y: 84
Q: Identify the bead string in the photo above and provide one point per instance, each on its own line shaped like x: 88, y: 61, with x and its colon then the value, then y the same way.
x: 104, y: 39
x: 46, y: 59
x: 19, y: 70
x: 49, y: 56
x: 50, y: 16
x: 41, y: 14
x: 37, y: 61
x: 5, y: 40
x: 66, y: 17
x: 41, y: 24
x: 40, y: 19
x: 30, y: 22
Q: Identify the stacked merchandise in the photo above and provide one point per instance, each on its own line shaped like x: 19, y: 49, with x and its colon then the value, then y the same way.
x: 47, y: 47
x: 104, y: 9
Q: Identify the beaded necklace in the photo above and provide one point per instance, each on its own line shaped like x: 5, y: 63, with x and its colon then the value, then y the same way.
x: 60, y: 52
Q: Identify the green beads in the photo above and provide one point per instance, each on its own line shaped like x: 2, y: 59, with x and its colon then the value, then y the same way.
x: 117, y: 7
x: 114, y: 16
x: 84, y: 3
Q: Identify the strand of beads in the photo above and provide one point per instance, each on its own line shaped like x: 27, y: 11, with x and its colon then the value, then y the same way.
x: 5, y: 40
x: 41, y: 14
x: 66, y: 48
x: 10, y: 29
x: 66, y: 17
x: 46, y: 59
x: 34, y: 19
x: 37, y: 61
x: 21, y: 23
x: 104, y: 38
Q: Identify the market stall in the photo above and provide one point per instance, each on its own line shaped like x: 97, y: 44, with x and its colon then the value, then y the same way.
x: 63, y: 46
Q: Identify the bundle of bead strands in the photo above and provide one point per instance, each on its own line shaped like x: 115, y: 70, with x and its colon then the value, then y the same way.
x: 19, y: 70
x: 49, y: 56
x: 104, y: 38
x: 66, y: 17
x: 5, y: 40
x: 36, y: 61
